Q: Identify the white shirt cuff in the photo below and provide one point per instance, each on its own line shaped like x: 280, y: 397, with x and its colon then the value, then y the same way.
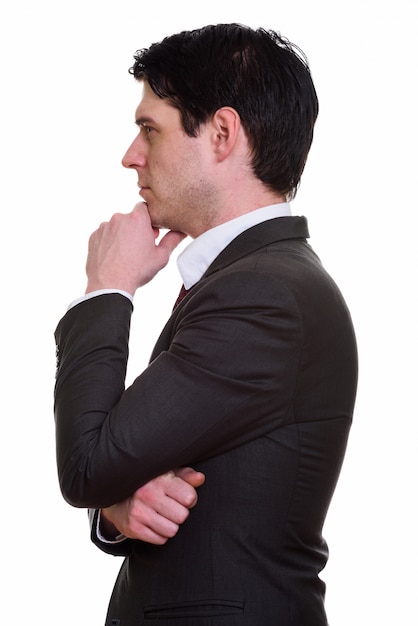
x: 100, y: 292
x: 99, y: 535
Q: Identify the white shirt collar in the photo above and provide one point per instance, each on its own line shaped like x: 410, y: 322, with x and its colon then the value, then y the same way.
x: 199, y: 254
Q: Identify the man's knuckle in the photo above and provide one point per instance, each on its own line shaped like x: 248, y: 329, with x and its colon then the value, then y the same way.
x: 190, y: 499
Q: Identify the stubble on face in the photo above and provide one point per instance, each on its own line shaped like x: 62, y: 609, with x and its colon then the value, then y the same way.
x: 183, y: 196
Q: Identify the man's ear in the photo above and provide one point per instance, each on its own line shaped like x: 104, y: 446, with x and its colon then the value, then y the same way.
x: 226, y: 124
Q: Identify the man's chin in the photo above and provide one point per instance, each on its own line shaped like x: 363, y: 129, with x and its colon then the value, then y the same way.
x: 158, y: 223
x: 159, y: 220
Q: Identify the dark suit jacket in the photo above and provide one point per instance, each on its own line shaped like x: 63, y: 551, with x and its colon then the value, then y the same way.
x: 253, y: 382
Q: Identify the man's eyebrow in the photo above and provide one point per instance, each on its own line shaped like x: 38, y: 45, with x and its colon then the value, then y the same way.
x: 141, y: 121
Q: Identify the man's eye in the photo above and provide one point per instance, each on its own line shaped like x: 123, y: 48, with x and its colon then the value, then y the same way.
x: 147, y: 129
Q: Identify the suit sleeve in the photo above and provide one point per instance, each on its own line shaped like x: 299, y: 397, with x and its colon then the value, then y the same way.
x: 227, y: 376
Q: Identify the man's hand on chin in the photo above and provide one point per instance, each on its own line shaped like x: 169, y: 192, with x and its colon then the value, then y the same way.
x: 123, y: 253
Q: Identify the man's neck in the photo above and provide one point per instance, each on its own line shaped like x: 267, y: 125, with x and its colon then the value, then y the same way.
x: 236, y: 208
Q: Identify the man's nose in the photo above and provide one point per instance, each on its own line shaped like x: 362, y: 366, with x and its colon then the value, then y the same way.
x: 134, y: 156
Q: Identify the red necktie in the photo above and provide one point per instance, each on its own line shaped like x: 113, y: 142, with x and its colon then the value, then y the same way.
x: 183, y: 292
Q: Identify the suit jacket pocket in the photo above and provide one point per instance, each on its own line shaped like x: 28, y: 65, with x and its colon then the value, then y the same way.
x: 197, y: 608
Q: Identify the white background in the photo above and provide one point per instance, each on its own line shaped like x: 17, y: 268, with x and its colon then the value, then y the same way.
x: 67, y: 110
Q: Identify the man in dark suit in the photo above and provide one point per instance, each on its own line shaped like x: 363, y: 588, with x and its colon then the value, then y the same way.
x: 249, y: 393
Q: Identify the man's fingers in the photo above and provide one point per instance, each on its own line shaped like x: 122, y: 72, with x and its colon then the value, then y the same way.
x: 189, y: 475
x: 182, y: 487
x: 157, y: 509
x: 170, y: 241
x: 158, y: 533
